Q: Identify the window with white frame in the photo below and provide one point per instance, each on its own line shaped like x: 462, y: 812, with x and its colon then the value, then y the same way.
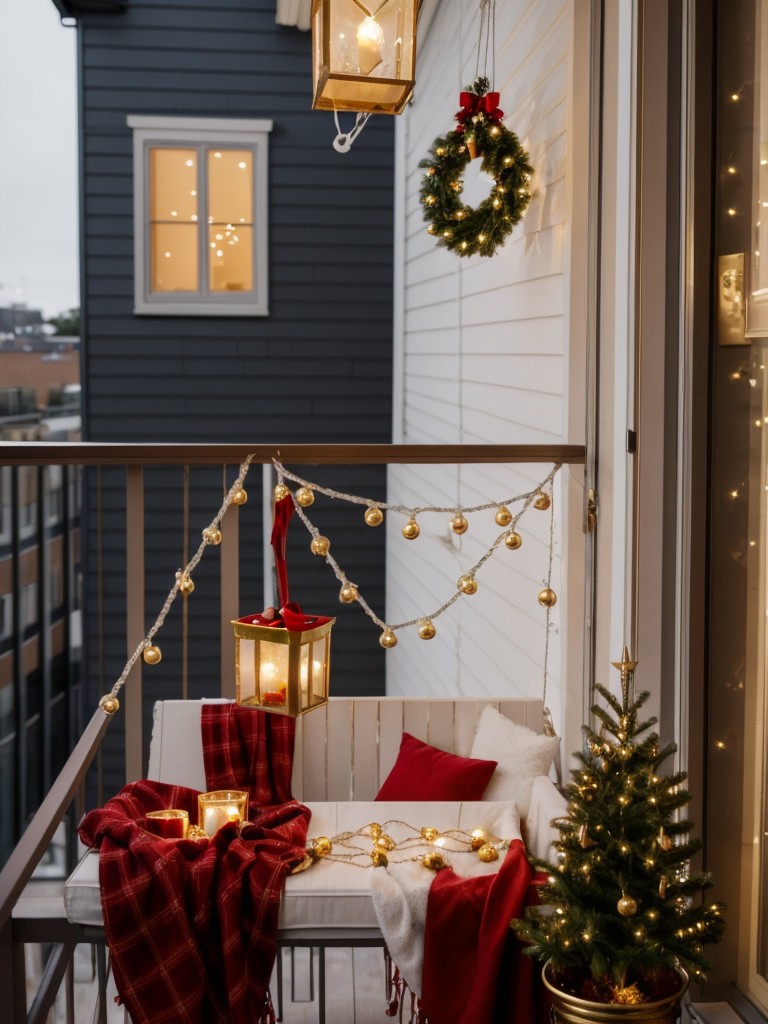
x: 200, y: 216
x: 6, y: 616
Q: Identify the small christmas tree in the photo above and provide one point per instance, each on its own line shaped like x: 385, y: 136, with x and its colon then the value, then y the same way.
x: 620, y: 909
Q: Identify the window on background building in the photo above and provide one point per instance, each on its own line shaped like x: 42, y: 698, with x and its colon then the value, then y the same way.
x: 6, y: 616
x: 27, y: 501
x: 5, y: 504
x: 200, y: 216
x: 54, y: 495
x: 28, y: 605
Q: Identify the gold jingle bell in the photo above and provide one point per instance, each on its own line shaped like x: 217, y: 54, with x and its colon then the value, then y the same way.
x: 385, y: 842
x: 109, y: 704
x: 541, y: 501
x: 488, y: 853
x: 547, y: 597
x: 429, y: 833
x: 305, y: 497
x: 478, y: 838
x: 373, y: 515
x: 434, y: 860
x: 411, y: 529
x: 379, y: 858
x: 322, y: 846
x: 239, y: 497
x: 186, y: 585
x: 513, y: 540
x: 280, y: 491
x: 320, y: 545
x: 348, y: 593
x: 152, y: 655
x: 388, y: 639
x: 375, y: 829
x: 212, y: 535
x: 503, y: 516
x: 467, y: 584
x: 426, y: 630
x: 459, y: 524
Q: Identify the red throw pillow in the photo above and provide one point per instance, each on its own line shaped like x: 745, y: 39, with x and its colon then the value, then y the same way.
x: 422, y: 772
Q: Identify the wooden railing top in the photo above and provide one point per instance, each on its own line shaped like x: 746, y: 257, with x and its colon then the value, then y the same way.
x: 37, y: 453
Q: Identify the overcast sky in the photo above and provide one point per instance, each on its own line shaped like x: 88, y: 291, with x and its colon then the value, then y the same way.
x: 38, y: 158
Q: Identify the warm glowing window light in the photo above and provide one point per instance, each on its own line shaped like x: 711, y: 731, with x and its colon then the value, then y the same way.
x: 177, y: 179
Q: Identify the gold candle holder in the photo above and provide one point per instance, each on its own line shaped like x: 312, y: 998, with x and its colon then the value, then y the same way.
x: 219, y: 807
x: 168, y: 824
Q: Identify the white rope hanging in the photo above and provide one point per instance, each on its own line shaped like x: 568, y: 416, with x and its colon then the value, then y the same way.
x: 343, y: 141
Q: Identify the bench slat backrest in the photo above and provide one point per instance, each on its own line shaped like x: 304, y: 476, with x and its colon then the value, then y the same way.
x: 344, y: 750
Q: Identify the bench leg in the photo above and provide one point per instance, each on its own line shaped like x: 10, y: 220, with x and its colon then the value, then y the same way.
x: 321, y: 986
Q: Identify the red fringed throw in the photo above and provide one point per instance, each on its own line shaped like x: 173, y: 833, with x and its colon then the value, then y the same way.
x: 191, y: 924
x: 473, y: 967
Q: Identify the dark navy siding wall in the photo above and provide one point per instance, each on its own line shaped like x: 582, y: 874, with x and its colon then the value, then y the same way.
x: 318, y: 368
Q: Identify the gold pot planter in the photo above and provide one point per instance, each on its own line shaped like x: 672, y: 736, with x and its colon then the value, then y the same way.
x: 570, y: 1009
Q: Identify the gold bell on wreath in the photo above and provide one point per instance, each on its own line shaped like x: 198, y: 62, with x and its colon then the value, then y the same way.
x: 363, y: 56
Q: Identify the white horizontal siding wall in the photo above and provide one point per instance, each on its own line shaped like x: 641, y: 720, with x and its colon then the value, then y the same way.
x: 481, y: 355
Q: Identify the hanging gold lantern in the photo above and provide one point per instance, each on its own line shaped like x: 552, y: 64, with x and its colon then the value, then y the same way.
x: 283, y: 660
x: 280, y: 669
x: 364, y: 54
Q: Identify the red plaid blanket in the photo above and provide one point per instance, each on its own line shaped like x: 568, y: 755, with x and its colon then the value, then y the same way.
x: 191, y: 924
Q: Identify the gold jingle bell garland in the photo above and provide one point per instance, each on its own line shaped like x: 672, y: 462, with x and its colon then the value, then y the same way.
x: 343, y: 847
x: 458, y: 227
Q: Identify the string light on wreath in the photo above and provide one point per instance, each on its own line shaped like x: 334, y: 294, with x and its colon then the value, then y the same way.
x: 460, y: 228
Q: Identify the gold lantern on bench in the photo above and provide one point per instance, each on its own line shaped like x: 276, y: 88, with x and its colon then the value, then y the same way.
x: 282, y: 658
x: 364, y: 54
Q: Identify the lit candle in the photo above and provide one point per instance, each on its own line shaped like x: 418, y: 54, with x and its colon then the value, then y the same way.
x: 168, y: 824
x: 369, y: 41
x: 218, y: 808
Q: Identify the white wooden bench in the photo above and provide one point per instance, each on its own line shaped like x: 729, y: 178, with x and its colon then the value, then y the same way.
x: 343, y: 754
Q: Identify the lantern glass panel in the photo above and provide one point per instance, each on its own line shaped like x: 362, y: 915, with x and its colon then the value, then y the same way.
x: 273, y: 673
x: 364, y: 56
x: 279, y: 670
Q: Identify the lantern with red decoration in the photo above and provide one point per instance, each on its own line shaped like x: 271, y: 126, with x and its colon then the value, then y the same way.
x: 282, y: 658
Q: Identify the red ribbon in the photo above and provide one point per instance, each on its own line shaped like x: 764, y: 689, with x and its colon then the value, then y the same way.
x: 472, y: 104
x: 290, y: 616
x: 282, y: 517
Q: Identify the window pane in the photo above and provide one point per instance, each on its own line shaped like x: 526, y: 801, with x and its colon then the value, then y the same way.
x: 173, y: 218
x: 230, y: 258
x: 173, y: 185
x: 174, y: 257
x: 230, y: 186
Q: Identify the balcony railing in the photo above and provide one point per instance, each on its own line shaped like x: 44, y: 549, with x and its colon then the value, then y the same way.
x: 24, y: 919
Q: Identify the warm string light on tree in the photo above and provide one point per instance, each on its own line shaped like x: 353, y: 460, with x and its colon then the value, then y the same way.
x: 539, y: 498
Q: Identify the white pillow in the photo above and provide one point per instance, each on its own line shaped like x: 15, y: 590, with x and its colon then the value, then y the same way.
x: 521, y: 755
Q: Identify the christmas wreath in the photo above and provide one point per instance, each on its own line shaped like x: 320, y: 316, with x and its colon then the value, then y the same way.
x: 458, y: 227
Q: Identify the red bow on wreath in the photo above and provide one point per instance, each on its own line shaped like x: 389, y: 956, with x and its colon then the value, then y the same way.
x: 471, y: 104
